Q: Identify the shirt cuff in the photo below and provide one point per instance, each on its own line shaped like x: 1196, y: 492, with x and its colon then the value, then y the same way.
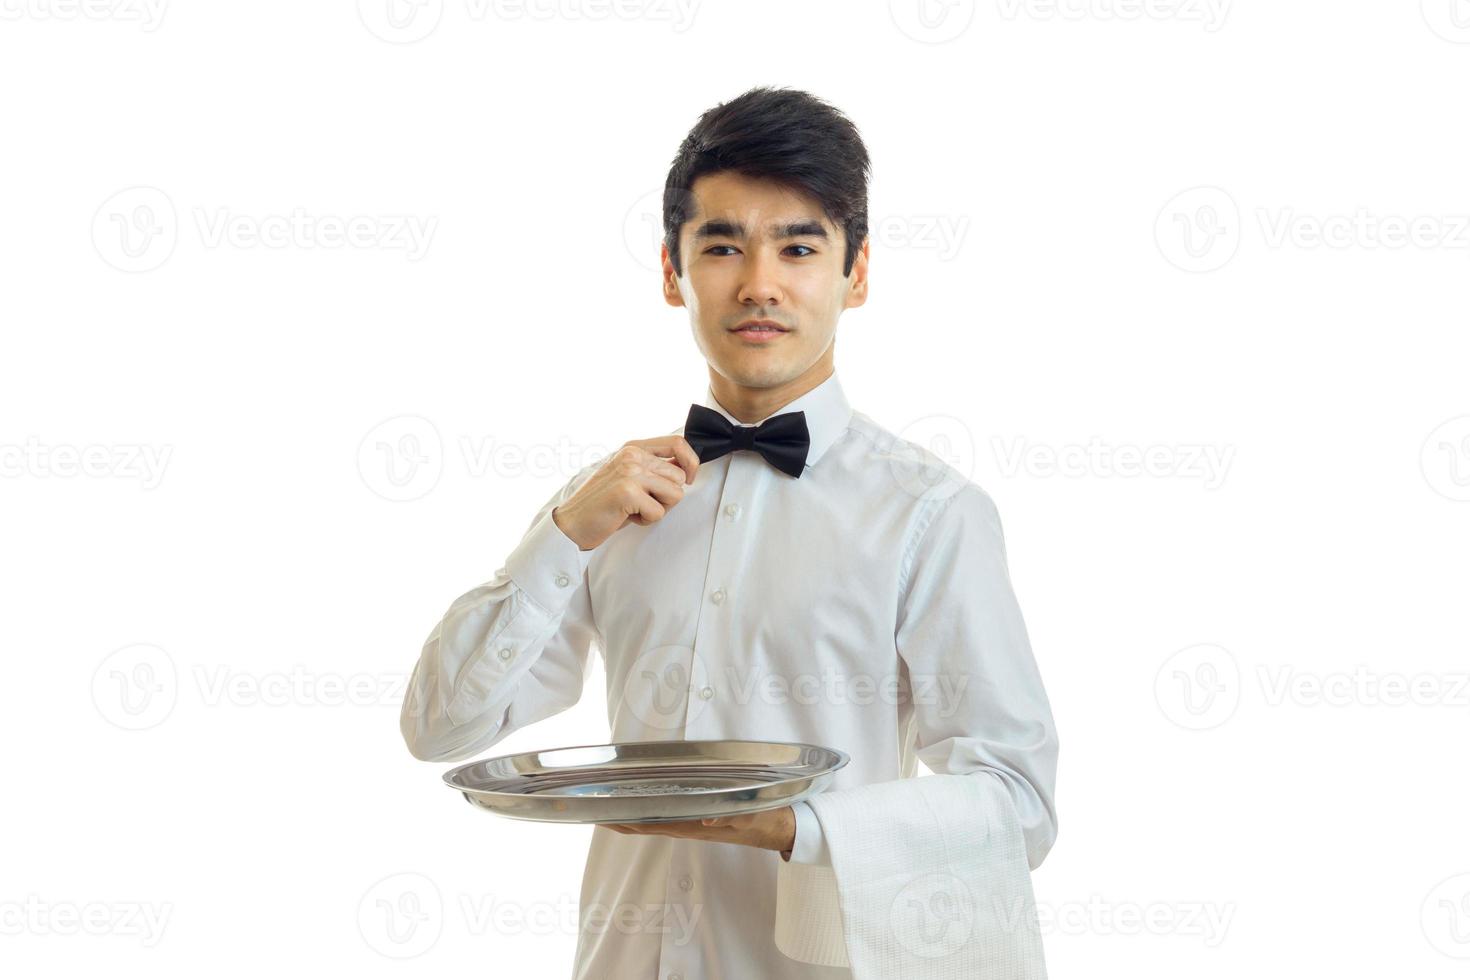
x: 547, y: 565
x: 810, y: 846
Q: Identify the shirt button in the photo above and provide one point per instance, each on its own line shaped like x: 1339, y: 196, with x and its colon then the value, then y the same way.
x: 562, y: 579
x: 732, y: 511
x: 717, y: 596
x: 506, y: 653
x: 686, y: 882
x: 706, y: 692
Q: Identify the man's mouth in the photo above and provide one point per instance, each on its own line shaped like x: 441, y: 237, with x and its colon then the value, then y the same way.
x: 760, y: 329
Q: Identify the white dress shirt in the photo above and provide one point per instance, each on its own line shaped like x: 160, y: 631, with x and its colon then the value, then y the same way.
x: 864, y: 606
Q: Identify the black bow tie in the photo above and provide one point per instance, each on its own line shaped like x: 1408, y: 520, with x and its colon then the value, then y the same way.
x: 782, y: 439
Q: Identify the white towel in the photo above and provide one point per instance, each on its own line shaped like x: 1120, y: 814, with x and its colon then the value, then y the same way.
x: 929, y: 881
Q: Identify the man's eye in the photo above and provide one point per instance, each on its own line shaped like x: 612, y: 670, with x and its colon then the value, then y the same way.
x: 809, y: 250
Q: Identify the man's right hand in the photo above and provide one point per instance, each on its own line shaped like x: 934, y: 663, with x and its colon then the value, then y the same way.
x: 638, y: 483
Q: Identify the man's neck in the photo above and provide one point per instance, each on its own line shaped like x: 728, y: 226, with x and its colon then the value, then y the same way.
x: 751, y: 405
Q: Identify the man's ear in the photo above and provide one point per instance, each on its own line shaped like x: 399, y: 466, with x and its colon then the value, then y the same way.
x: 672, y: 296
x: 857, y: 285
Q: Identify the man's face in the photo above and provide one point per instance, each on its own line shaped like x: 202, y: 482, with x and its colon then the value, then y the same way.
x: 755, y: 250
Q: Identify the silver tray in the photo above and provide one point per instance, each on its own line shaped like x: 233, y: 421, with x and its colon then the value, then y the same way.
x: 647, y: 782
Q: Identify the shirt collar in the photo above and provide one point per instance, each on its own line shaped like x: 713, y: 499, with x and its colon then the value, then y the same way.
x: 827, y: 414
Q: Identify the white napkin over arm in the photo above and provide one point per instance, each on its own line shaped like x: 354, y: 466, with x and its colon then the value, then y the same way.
x: 930, y: 877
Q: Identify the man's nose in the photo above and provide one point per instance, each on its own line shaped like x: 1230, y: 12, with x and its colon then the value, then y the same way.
x: 762, y: 280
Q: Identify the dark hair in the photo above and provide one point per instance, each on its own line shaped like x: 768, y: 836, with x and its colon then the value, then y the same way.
x: 780, y: 134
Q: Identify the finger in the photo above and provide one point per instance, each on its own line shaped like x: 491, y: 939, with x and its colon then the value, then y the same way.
x: 667, y: 492
x: 669, y: 470
x: 675, y: 446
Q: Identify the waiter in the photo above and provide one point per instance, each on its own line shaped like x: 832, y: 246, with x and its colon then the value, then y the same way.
x: 779, y: 568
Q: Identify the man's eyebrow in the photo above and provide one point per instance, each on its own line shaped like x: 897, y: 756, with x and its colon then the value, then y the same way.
x: 720, y: 228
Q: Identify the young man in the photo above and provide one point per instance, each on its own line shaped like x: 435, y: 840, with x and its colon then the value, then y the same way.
x: 780, y: 568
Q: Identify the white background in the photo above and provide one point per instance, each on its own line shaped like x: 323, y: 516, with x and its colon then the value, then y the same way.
x: 1102, y: 230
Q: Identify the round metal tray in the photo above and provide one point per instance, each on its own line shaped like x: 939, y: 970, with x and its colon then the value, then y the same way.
x: 647, y: 782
